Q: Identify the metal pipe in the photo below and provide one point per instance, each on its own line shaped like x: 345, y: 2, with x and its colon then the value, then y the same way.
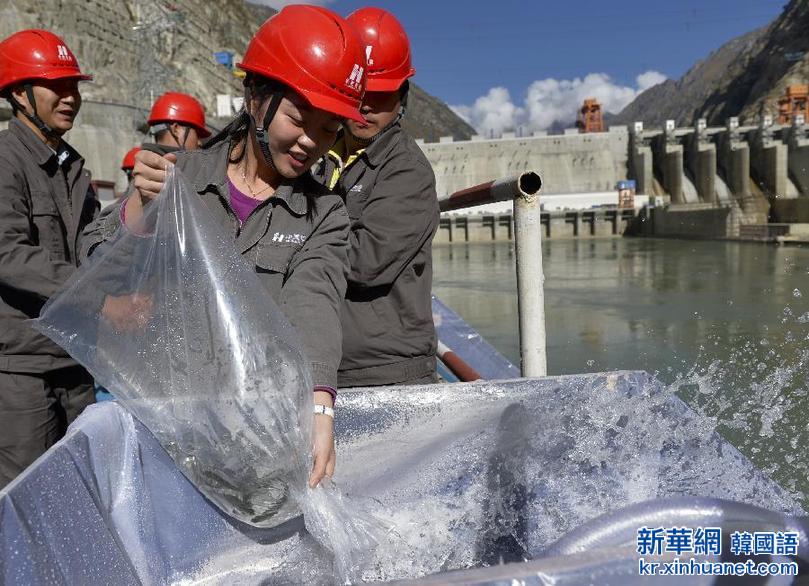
x: 522, y: 185
x: 524, y: 190
x: 456, y: 364
x: 530, y: 280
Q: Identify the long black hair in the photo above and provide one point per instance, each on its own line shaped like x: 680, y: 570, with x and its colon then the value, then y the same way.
x: 238, y: 129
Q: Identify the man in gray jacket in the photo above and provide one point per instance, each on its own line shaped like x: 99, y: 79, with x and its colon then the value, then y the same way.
x: 389, y: 190
x: 45, y: 202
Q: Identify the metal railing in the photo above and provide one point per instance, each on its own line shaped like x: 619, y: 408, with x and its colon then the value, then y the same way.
x: 523, y: 190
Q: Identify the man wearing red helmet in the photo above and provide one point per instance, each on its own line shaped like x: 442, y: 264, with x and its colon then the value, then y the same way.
x: 45, y: 202
x: 304, y: 76
x: 389, y: 189
x: 177, y: 123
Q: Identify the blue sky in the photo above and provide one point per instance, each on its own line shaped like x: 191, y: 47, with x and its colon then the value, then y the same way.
x: 508, y: 62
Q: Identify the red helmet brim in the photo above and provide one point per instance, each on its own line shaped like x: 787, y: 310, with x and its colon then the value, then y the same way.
x: 386, y: 84
x: 65, y: 74
x: 333, y: 106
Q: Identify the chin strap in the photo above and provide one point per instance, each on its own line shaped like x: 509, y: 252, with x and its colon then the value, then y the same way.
x: 185, y: 137
x: 262, y: 136
x: 34, y: 118
x: 159, y: 127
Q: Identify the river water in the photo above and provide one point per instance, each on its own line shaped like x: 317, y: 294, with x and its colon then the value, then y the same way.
x: 724, y: 324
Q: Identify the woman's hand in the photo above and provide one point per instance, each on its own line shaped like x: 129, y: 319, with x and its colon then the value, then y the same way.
x: 325, y: 457
x: 149, y: 173
x: 148, y: 178
x: 127, y: 313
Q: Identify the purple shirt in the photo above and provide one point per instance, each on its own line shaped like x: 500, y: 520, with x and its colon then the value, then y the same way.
x: 242, y: 204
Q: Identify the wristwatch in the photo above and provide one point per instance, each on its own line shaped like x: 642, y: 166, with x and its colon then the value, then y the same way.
x: 323, y: 410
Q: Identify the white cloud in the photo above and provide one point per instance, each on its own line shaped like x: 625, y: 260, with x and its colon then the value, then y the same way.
x: 279, y: 4
x: 649, y: 79
x: 493, y: 112
x: 551, y: 101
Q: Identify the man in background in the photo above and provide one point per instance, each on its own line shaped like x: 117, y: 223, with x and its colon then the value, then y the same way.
x: 177, y: 123
x: 389, y: 189
x: 46, y: 200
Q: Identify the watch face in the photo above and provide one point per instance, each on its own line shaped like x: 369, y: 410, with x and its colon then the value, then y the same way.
x: 323, y: 410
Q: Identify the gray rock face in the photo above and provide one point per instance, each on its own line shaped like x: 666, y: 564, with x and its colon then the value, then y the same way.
x: 430, y: 118
x: 140, y: 48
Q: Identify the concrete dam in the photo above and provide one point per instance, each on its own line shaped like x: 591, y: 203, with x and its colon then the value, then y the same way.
x: 568, y: 163
x: 704, y: 182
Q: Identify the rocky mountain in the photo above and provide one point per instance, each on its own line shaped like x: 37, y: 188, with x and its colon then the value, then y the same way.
x: 260, y: 11
x: 745, y: 77
x: 138, y: 49
x: 429, y: 118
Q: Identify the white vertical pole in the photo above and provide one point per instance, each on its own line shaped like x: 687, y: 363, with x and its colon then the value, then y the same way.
x: 530, y: 285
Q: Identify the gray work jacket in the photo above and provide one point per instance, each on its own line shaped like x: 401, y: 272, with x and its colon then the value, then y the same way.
x: 44, y: 206
x: 297, y: 241
x: 389, y: 191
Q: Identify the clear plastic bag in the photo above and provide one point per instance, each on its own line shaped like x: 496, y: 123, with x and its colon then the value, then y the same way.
x: 179, y: 328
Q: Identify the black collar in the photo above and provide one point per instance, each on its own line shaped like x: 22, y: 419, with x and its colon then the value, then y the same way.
x: 377, y: 152
x: 41, y: 152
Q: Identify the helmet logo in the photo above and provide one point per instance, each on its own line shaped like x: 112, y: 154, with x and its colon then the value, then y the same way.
x: 368, y: 49
x: 63, y: 53
x: 354, y: 81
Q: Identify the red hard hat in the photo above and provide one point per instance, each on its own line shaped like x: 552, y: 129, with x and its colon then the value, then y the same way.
x: 316, y: 53
x: 129, y: 159
x: 182, y: 108
x: 36, y: 54
x: 386, y: 48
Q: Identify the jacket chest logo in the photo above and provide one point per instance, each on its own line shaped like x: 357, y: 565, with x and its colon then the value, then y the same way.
x: 356, y: 189
x: 288, y: 238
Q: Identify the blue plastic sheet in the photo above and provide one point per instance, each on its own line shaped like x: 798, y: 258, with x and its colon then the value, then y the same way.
x: 467, y: 475
x: 462, y: 339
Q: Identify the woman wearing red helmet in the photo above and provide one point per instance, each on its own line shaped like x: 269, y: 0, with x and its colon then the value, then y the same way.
x: 389, y: 189
x: 45, y: 203
x: 305, y: 75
